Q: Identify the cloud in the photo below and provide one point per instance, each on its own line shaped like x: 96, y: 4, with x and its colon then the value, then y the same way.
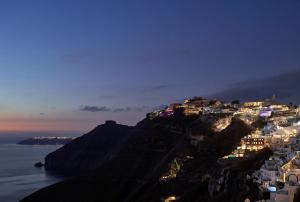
x: 126, y: 109
x: 138, y: 109
x: 89, y: 108
x: 143, y: 109
x: 94, y: 109
x: 286, y: 87
x: 154, y: 88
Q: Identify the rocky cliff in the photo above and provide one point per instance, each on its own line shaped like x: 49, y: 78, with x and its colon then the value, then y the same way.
x: 157, y: 163
x: 88, y: 152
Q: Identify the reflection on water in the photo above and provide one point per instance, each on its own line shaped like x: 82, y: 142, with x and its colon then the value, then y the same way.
x: 18, y: 176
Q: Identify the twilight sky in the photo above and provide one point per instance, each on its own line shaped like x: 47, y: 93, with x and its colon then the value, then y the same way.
x: 68, y: 65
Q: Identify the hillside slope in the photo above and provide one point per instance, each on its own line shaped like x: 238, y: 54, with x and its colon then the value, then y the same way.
x: 88, y: 152
x: 159, y: 161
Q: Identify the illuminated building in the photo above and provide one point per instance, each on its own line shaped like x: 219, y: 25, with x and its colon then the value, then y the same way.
x: 266, y: 112
x: 253, y: 104
x: 253, y: 143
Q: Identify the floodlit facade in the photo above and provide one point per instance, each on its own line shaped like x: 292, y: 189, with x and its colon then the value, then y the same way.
x: 253, y: 143
x: 253, y: 104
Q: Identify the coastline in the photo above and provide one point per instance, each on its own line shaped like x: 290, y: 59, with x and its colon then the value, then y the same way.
x: 18, y: 176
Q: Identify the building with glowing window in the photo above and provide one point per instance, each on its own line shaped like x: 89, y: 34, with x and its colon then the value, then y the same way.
x: 253, y: 143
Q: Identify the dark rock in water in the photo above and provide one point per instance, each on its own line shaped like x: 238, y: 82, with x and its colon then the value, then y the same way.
x: 39, y: 165
x: 89, y: 151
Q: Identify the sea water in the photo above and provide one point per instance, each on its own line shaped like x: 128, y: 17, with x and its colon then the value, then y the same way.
x: 18, y: 176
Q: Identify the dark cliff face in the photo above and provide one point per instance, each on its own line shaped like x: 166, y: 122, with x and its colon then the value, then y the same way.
x: 157, y: 149
x: 88, y: 152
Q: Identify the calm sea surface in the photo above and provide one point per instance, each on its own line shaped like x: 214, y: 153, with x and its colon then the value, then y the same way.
x: 18, y: 176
